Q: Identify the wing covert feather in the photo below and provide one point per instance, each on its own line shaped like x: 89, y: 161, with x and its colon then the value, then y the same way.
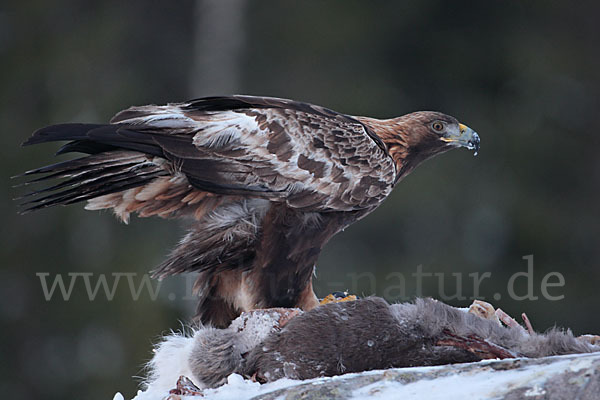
x: 309, y: 157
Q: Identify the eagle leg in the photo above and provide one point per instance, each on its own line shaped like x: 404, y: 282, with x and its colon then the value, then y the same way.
x: 308, y: 299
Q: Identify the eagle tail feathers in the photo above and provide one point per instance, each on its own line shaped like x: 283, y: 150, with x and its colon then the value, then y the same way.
x: 90, y: 177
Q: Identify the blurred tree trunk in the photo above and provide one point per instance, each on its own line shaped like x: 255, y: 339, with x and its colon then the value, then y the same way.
x: 219, y: 38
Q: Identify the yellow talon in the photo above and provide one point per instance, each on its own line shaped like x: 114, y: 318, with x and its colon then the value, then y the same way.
x: 330, y: 298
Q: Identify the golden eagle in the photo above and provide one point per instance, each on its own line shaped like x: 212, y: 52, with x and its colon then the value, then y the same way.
x: 266, y: 181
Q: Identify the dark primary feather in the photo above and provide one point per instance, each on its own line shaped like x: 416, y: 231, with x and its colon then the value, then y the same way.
x: 60, y: 132
x: 95, y: 138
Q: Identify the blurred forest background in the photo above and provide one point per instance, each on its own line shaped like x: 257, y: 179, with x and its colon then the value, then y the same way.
x: 525, y: 75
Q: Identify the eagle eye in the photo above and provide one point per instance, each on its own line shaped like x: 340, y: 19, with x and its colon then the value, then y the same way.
x: 437, y: 126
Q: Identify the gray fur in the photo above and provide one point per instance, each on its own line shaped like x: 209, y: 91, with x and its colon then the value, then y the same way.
x: 215, y: 356
x: 347, y: 337
x: 217, y: 353
x: 433, y: 317
x: 368, y: 334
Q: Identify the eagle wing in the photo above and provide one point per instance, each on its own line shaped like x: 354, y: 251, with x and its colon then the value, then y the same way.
x: 170, y: 160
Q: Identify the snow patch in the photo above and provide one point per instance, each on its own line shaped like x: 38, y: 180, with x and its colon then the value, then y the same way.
x: 486, y: 383
x: 434, y: 383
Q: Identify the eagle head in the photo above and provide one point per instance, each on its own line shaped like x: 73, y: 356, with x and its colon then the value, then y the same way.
x: 431, y: 132
x: 415, y: 137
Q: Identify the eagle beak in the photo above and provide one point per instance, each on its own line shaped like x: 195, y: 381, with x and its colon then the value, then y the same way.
x: 465, y: 137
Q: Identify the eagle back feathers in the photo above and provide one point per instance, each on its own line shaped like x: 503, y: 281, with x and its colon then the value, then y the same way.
x: 312, y: 159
